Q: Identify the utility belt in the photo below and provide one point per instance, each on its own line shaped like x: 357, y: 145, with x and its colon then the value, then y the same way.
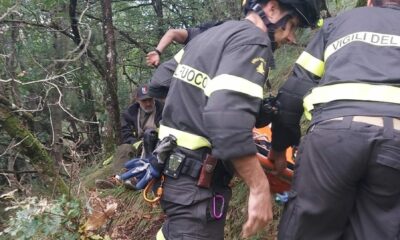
x: 182, y: 161
x: 192, y: 157
x: 372, y: 120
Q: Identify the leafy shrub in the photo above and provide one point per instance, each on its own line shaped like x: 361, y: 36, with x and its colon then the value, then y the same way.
x: 42, y: 219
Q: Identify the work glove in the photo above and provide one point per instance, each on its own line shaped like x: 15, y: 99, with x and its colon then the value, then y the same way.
x: 156, y: 161
x: 141, y: 170
x: 145, y: 169
x: 268, y: 110
x: 136, y: 168
x: 150, y: 139
x: 163, y: 150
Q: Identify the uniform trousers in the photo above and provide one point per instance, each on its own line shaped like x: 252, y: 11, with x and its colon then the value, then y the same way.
x: 189, y: 210
x: 346, y: 182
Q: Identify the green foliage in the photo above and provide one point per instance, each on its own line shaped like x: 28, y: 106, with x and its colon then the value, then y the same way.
x: 43, y: 219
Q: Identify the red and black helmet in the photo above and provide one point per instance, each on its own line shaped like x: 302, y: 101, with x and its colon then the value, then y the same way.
x: 308, y: 11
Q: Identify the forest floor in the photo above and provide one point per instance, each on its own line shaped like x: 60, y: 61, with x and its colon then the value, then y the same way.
x: 136, y: 219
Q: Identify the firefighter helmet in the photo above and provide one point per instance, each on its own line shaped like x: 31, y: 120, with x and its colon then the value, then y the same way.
x: 307, y: 10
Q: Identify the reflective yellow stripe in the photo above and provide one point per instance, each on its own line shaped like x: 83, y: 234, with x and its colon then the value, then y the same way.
x: 311, y: 64
x: 185, y: 139
x: 377, y: 39
x: 199, y: 79
x: 234, y: 83
x: 350, y: 91
x: 320, y: 22
x: 160, y: 235
x: 179, y: 55
x: 191, y: 75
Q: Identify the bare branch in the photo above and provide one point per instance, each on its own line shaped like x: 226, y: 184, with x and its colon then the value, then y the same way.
x: 127, y: 75
x: 2, y: 171
x: 12, y: 145
x: 11, y: 9
x: 60, y: 96
x: 51, y: 124
x: 131, y: 7
x: 48, y: 81
x: 124, y: 34
x: 54, y: 27
x: 7, y: 178
x: 81, y: 44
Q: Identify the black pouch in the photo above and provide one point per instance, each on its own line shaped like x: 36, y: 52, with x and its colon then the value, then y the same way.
x: 174, y: 165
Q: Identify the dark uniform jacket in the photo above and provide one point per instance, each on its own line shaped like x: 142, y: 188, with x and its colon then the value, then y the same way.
x: 217, y: 88
x: 129, y: 122
x: 353, y: 66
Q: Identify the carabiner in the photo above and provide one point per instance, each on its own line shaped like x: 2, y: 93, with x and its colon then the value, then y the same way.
x: 158, y: 193
x: 218, y: 213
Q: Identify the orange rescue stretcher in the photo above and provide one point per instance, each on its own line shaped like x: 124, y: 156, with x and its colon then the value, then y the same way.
x: 278, y: 183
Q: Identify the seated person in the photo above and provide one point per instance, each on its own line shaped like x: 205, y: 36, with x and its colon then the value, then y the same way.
x: 143, y: 114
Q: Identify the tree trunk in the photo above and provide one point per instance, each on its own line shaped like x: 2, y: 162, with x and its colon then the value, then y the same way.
x: 56, y: 114
x: 12, y: 63
x: 111, y: 69
x: 157, y: 5
x: 30, y: 147
x: 86, y: 96
x: 92, y: 129
x: 5, y: 88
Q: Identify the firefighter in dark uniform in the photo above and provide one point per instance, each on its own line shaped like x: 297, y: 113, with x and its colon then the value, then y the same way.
x: 347, y: 174
x: 211, y: 108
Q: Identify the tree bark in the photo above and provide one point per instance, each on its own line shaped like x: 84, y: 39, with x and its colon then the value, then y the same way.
x: 56, y: 113
x: 92, y: 129
x: 111, y: 69
x: 12, y: 63
x: 30, y: 146
x: 158, y: 8
x: 76, y: 37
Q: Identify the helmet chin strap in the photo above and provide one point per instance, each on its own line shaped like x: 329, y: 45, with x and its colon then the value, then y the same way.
x: 271, y: 27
